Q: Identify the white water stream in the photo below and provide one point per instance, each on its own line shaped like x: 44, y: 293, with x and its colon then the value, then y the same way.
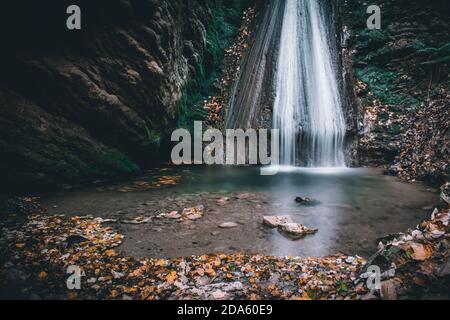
x: 308, y: 108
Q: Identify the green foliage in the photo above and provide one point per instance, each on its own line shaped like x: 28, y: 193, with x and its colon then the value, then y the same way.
x: 120, y: 162
x: 416, y: 45
x: 396, y: 129
x: 153, y: 136
x: 223, y: 28
x: 221, y: 31
x: 342, y: 288
x: 373, y: 37
x: 382, y: 83
x: 386, y: 53
x: 442, y: 60
x: 69, y: 167
x: 190, y: 106
x: 438, y: 55
x: 427, y: 51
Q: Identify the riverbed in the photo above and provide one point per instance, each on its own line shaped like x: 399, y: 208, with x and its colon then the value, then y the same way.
x: 358, y: 206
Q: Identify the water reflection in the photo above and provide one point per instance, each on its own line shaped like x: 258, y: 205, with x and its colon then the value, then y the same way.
x: 313, y: 183
x: 358, y: 205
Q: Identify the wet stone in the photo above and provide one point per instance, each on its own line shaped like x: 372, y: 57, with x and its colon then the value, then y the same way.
x: 228, y: 225
x: 307, y: 202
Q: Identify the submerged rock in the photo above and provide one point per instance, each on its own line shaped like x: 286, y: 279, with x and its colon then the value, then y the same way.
x: 228, y: 225
x: 307, y: 202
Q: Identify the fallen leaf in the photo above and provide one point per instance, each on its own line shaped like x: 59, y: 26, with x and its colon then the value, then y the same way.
x: 110, y: 253
x: 114, y: 294
x: 171, y: 277
x: 421, y: 252
x: 72, y: 296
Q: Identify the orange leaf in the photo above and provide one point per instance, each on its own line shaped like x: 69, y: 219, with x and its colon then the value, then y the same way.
x: 110, y: 253
x: 114, y: 294
x: 171, y: 277
x: 42, y: 275
x: 72, y: 296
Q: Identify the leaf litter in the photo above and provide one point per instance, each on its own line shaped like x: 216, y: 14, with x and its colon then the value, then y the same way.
x: 37, y: 254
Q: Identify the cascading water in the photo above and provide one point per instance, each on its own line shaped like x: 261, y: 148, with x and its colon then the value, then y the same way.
x: 308, y: 108
x: 253, y: 89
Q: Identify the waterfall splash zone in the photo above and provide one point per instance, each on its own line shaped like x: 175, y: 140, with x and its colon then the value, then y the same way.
x: 308, y: 108
x: 292, y: 71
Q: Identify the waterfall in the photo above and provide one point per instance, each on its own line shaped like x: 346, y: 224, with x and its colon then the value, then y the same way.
x: 253, y: 90
x: 308, y: 108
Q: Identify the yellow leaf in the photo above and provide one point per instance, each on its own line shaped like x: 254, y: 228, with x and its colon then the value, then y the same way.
x: 305, y: 296
x: 161, y: 263
x: 20, y: 245
x: 110, y: 253
x: 210, y: 272
x: 129, y: 290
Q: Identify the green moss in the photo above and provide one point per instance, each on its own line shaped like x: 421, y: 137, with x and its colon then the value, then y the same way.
x: 396, y: 129
x: 221, y: 32
x: 65, y: 166
x: 438, y: 55
x: 442, y: 60
x: 373, y: 36
x: 222, y: 29
x: 153, y: 138
x: 427, y: 51
x: 119, y: 162
x: 382, y: 83
x: 191, y: 106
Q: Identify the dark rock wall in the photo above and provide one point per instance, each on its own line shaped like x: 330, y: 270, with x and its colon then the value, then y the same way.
x: 253, y: 93
x: 78, y: 106
x: 402, y: 81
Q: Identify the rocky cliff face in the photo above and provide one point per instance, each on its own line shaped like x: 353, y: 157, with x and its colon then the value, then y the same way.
x: 402, y: 81
x: 77, y: 106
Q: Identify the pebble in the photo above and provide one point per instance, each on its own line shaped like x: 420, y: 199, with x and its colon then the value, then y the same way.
x: 228, y: 225
x: 350, y: 260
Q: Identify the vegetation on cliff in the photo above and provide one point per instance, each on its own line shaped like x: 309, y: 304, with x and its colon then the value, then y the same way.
x: 403, y: 73
x: 101, y: 103
x: 225, y: 21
